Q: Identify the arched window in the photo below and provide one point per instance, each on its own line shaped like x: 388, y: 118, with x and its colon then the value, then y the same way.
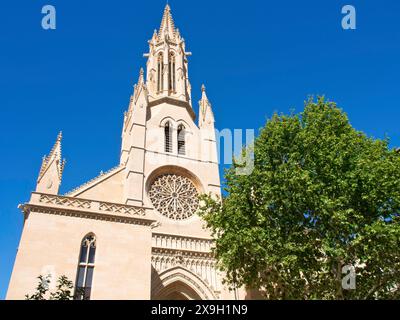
x: 181, y: 139
x: 160, y: 73
x: 84, y: 275
x: 168, y: 137
x: 171, y: 72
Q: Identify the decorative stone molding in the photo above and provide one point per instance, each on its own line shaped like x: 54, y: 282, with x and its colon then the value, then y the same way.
x: 175, y: 102
x: 191, y: 253
x: 116, y: 208
x: 190, y: 280
x: 180, y: 273
x: 27, y: 209
x: 84, y: 208
x: 65, y: 201
x: 168, y: 241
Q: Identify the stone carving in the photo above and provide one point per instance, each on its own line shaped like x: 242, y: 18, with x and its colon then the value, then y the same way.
x: 71, y: 202
x: 191, y: 253
x: 203, y: 266
x: 65, y: 201
x: 89, y: 241
x: 181, y: 243
x: 174, y: 196
x: 116, y: 208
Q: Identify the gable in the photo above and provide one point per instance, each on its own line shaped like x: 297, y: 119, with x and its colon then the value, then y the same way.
x: 106, y: 187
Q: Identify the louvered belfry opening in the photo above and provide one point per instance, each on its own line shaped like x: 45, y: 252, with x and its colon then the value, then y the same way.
x: 171, y: 73
x: 168, y: 137
x: 160, y: 73
x: 181, y: 140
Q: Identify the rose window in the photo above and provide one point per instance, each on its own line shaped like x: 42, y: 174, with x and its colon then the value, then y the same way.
x: 174, y: 196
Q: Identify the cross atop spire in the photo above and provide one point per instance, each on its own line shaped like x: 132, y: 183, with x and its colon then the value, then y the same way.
x: 167, y: 23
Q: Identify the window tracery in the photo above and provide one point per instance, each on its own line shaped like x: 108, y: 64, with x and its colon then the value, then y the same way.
x: 174, y: 196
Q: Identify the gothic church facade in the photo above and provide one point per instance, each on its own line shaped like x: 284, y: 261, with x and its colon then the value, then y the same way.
x: 133, y: 232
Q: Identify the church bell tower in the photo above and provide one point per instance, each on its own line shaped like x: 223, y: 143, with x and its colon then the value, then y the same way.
x: 159, y: 131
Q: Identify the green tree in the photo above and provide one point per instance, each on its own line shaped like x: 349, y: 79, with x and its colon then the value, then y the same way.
x: 64, y: 289
x: 321, y: 196
x: 41, y: 289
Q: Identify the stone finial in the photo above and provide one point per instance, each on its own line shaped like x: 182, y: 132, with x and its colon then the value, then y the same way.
x: 204, y: 98
x: 167, y: 23
x: 205, y: 112
x: 141, y: 76
x: 52, y: 168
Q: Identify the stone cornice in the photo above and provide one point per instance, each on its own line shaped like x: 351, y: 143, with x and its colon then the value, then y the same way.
x: 183, y: 252
x: 89, y: 209
x: 173, y: 235
x: 175, y: 102
x: 178, y: 156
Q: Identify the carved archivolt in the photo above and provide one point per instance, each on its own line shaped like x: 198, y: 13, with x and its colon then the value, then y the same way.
x: 177, y: 275
x: 204, y: 266
x: 174, y: 196
x: 172, y: 252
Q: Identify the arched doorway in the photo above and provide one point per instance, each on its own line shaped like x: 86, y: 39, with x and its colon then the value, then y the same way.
x: 177, y: 291
x: 178, y: 283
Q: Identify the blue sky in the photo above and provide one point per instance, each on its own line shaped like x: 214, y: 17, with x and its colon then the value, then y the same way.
x: 255, y: 57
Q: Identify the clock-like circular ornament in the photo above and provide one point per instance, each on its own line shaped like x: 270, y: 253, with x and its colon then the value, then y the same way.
x: 174, y: 196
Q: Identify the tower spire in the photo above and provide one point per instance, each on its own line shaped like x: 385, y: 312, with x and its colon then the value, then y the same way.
x: 50, y: 173
x: 206, y: 116
x: 167, y: 26
x: 167, y: 65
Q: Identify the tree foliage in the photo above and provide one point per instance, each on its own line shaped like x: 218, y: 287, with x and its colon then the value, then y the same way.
x: 64, y: 289
x: 41, y: 289
x: 322, y: 195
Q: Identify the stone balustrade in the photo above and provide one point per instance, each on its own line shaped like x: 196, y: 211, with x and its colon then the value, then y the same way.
x: 181, y: 243
x: 87, y: 206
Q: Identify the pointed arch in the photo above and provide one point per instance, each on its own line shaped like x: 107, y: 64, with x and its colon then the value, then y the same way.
x: 171, y: 169
x: 179, y: 281
x: 181, y: 139
x: 85, y: 270
x: 168, y: 137
x: 171, y: 72
x: 160, y: 72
